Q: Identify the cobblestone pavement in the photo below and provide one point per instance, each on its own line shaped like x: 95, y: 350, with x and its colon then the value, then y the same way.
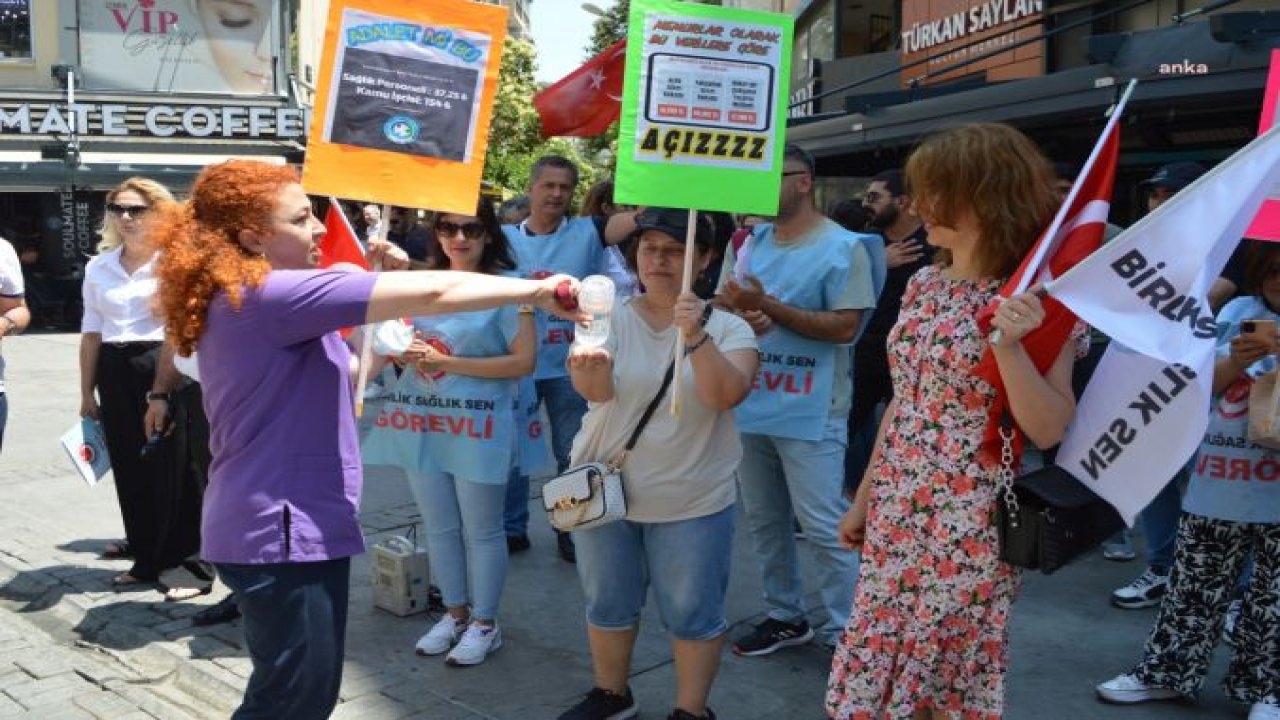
x: 72, y: 648
x: 43, y: 678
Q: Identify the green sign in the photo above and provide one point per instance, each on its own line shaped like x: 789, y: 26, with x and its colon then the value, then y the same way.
x: 704, y: 107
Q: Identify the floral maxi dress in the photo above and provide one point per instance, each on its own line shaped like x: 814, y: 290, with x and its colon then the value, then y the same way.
x: 928, y: 628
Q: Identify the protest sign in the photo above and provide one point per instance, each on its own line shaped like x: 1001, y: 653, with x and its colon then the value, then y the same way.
x: 704, y: 107
x: 1266, y: 226
x: 404, y: 101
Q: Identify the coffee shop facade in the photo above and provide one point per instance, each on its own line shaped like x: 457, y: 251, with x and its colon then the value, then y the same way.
x: 96, y: 91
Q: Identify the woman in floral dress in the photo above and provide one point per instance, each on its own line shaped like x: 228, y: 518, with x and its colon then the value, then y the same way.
x: 927, y: 637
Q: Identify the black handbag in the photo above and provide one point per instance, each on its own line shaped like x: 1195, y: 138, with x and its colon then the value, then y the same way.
x: 1051, y: 520
x: 1047, y: 518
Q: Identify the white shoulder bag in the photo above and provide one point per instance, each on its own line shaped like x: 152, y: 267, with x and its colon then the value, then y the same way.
x: 592, y: 494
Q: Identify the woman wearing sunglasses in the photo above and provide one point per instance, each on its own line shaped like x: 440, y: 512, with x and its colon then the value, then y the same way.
x: 453, y: 427
x: 120, y: 340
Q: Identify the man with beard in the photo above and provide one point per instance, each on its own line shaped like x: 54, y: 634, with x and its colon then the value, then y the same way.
x: 906, y: 251
x: 805, y: 285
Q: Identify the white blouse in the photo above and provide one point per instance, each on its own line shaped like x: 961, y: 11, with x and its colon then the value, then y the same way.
x: 119, y: 305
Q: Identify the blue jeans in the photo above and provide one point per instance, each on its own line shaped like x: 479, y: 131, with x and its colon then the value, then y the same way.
x: 1160, y: 521
x: 686, y: 562
x: 295, y: 625
x: 515, y: 515
x: 4, y: 416
x: 565, y: 408
x: 465, y: 540
x: 783, y: 478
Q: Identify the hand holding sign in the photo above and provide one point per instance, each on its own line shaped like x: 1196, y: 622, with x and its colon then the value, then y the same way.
x: 387, y: 255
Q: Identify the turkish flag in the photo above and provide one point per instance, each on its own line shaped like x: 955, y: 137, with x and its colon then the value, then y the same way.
x: 1080, y: 233
x: 585, y: 102
x: 339, y: 244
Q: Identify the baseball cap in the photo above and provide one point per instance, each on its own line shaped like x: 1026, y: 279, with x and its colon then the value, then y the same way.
x: 674, y: 222
x: 1175, y: 176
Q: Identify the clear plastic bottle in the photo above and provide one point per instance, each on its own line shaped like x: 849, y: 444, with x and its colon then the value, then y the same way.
x: 595, y: 296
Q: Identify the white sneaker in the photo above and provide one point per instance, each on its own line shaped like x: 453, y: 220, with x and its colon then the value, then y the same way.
x: 1265, y: 711
x: 441, y: 636
x: 1147, y: 590
x: 476, y: 644
x: 1128, y: 689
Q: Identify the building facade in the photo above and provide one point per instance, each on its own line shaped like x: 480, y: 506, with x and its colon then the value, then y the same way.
x: 869, y: 79
x: 95, y: 91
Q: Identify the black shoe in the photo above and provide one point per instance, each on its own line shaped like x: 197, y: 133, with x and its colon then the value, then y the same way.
x: 771, y: 636
x: 564, y: 543
x: 517, y: 543
x: 600, y: 704
x: 225, y: 611
x: 679, y: 714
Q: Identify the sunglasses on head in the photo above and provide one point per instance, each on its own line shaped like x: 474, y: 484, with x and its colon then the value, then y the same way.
x: 134, y: 211
x: 470, y: 231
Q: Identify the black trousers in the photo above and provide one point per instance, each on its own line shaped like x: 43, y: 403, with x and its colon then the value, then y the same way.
x: 1209, y: 558
x: 159, y: 502
x: 295, y: 624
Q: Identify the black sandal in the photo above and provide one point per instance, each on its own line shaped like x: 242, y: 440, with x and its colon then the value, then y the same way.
x: 117, y: 550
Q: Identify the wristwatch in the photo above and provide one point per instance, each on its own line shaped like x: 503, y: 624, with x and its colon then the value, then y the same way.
x: 152, y: 395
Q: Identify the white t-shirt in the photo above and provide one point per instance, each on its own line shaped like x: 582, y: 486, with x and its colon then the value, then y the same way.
x: 11, y: 285
x: 119, y: 305
x: 682, y: 467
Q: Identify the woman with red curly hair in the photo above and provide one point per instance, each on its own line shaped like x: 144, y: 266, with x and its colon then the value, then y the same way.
x: 281, y: 509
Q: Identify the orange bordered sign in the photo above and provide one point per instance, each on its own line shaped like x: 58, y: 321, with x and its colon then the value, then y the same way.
x: 404, y: 100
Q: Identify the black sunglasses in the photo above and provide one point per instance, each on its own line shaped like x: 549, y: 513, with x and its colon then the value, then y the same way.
x: 470, y: 231
x: 134, y: 211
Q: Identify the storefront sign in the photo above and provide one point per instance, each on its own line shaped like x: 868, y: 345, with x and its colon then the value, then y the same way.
x: 159, y: 121
x: 704, y: 106
x: 179, y: 45
x: 77, y: 232
x: 964, y: 29
x: 406, y: 90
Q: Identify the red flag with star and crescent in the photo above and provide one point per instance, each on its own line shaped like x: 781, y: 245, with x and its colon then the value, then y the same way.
x: 1081, y: 232
x: 339, y: 244
x: 588, y: 100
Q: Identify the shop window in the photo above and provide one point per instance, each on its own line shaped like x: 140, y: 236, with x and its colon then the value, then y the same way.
x: 15, y: 29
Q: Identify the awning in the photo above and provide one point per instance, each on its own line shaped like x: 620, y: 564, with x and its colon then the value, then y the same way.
x: 1080, y: 92
x: 105, y: 165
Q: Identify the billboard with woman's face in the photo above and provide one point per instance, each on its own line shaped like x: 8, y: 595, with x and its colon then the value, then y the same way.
x: 203, y: 46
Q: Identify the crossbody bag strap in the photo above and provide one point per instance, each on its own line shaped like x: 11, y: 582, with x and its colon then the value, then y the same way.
x: 616, y: 465
x: 653, y: 405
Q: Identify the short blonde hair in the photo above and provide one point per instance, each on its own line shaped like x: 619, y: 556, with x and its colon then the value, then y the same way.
x: 150, y: 190
x: 997, y: 174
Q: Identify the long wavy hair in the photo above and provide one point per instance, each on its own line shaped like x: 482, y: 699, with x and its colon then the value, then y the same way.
x: 199, y: 243
x: 994, y: 172
x: 156, y: 196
